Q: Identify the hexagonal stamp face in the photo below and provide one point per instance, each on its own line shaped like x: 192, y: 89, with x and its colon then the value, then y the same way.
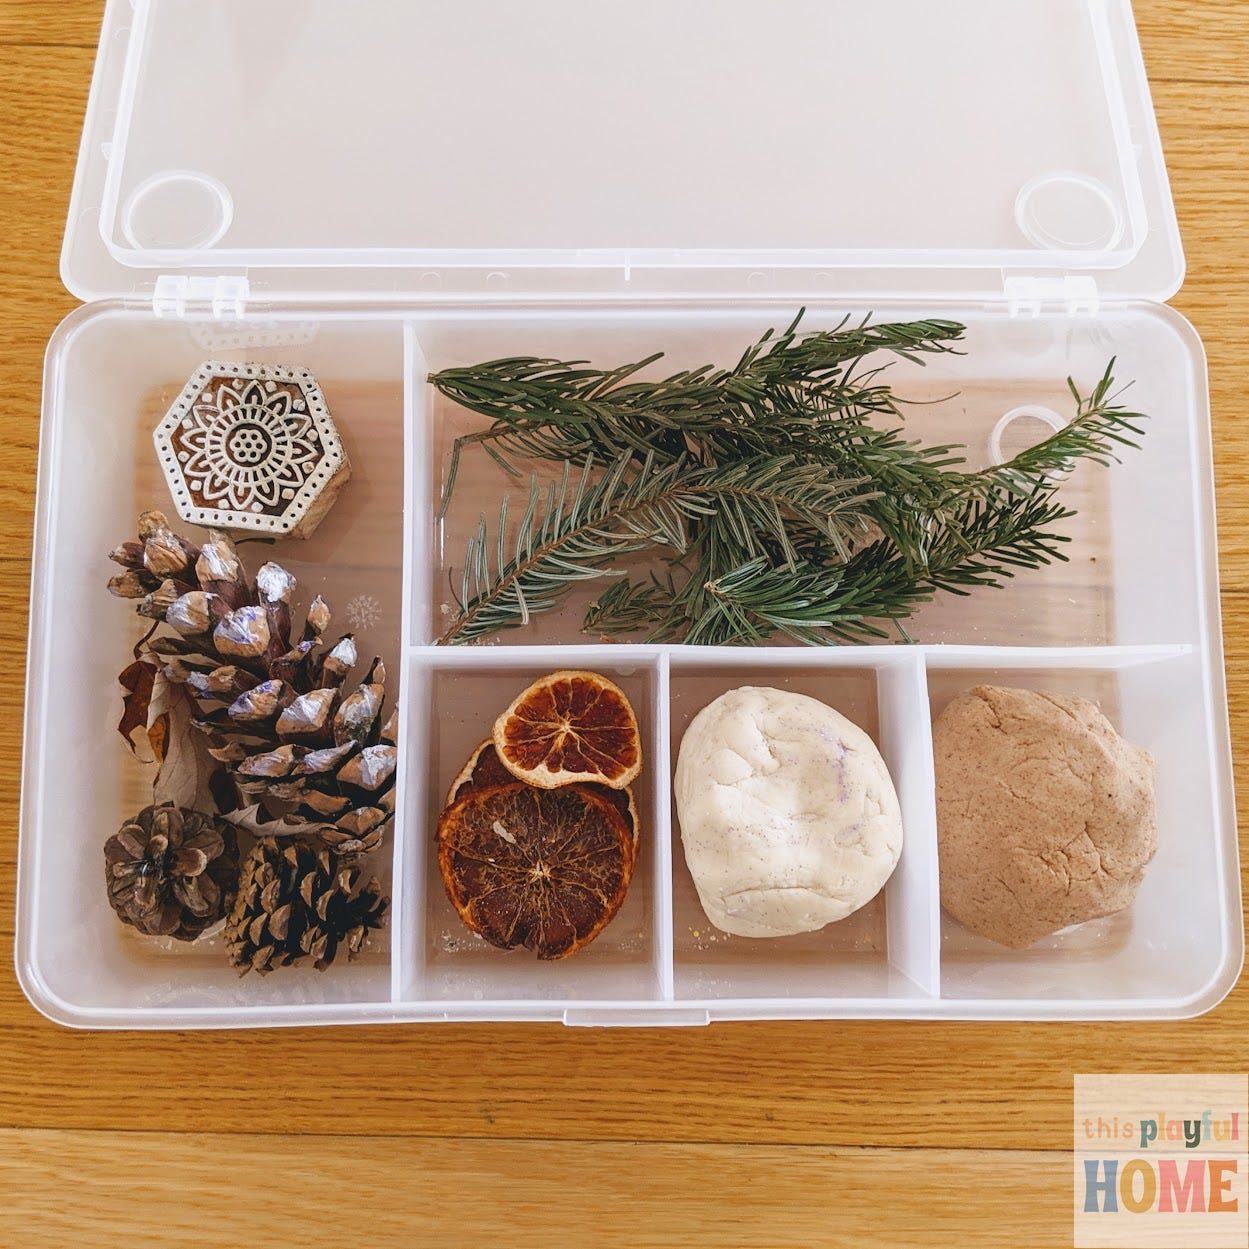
x: 252, y: 447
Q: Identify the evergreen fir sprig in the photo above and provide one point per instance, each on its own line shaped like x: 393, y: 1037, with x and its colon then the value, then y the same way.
x: 780, y: 496
x: 1100, y: 428
x: 981, y: 543
x: 628, y: 606
x: 848, y: 602
x: 631, y: 508
x: 817, y: 603
x: 556, y: 410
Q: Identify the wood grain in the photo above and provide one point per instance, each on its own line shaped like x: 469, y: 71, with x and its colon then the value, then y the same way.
x: 734, y: 1135
x: 36, y: 23
x: 1188, y: 43
x: 533, y: 1195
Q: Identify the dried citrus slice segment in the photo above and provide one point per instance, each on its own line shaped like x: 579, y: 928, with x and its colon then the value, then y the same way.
x: 484, y: 769
x: 570, y: 727
x: 544, y: 868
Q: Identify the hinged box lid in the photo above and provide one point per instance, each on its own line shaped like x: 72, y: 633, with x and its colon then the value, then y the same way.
x: 669, y: 148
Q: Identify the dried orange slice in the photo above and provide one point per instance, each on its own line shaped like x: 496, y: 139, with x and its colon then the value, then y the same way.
x: 544, y: 868
x: 484, y: 770
x: 570, y: 727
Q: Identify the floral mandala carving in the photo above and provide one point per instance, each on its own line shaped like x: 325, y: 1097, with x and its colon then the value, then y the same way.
x: 250, y: 447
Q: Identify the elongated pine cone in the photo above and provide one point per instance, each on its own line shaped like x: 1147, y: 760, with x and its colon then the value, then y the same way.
x: 298, y: 900
x: 172, y: 872
x: 307, y: 756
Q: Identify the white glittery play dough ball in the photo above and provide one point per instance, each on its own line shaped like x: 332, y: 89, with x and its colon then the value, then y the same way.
x: 788, y: 815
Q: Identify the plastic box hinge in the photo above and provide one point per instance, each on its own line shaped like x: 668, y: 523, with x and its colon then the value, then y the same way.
x: 178, y: 294
x: 1029, y: 296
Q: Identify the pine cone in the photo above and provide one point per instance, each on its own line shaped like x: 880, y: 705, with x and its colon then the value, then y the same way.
x: 305, y: 756
x: 171, y: 872
x: 296, y: 899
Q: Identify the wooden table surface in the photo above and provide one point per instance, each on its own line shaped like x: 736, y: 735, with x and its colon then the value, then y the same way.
x: 787, y: 1134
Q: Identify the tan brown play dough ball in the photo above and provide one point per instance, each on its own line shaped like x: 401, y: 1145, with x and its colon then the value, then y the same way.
x: 1045, y: 815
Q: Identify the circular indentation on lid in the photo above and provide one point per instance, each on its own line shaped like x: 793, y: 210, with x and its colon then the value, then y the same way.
x: 1018, y: 430
x: 177, y: 211
x: 496, y: 280
x: 1069, y: 212
x: 756, y: 281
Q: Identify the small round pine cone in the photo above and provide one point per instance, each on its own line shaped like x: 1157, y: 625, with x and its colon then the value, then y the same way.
x: 171, y: 872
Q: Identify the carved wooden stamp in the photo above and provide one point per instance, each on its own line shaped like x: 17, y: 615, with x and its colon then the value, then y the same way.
x: 252, y: 447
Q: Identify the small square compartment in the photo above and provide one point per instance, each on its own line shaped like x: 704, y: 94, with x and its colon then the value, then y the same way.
x: 446, y: 961
x: 1170, y: 948
x: 853, y: 958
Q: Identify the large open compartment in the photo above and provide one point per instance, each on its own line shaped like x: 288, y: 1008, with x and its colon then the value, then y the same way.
x: 1129, y: 518
x: 112, y: 374
x: 1152, y: 657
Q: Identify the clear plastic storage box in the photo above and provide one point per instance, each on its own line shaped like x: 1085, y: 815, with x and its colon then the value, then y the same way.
x: 374, y: 190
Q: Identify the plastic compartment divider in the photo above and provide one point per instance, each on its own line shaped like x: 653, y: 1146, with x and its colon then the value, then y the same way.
x: 407, y: 886
x: 407, y: 912
x: 661, y: 834
x: 913, y: 911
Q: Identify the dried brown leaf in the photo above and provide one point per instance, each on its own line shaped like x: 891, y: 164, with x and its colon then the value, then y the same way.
x: 186, y: 767
x: 253, y: 820
x: 137, y: 680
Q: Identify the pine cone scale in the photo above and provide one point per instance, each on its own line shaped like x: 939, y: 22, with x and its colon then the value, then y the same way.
x: 372, y: 768
x: 188, y: 861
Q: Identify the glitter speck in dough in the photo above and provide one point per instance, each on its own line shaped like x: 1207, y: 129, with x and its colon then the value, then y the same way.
x: 788, y: 815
